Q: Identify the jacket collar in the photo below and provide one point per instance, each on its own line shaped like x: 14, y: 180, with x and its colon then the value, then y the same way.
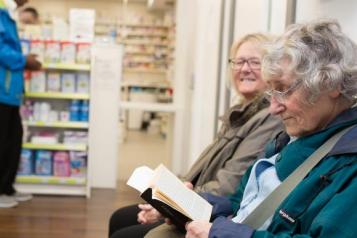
x: 298, y: 151
x: 240, y: 114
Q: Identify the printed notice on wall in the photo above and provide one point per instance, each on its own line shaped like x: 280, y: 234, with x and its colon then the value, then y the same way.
x: 81, y: 24
x: 106, y: 66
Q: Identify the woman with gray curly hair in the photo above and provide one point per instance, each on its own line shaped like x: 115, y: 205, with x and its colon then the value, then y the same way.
x: 311, y: 71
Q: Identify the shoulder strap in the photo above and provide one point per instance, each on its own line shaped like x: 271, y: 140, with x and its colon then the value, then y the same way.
x: 267, y: 208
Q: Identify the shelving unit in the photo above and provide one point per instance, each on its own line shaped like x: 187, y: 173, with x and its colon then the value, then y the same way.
x: 75, y: 184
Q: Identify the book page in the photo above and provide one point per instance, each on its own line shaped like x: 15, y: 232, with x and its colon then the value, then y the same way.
x: 140, y: 178
x: 188, y: 200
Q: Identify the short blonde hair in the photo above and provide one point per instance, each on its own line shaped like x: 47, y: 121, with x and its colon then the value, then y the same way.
x: 258, y: 38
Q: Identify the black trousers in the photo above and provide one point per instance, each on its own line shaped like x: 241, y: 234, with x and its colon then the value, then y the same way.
x: 10, y: 146
x: 123, y: 223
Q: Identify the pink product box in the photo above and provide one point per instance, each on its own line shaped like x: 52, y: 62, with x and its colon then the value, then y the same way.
x: 61, y: 164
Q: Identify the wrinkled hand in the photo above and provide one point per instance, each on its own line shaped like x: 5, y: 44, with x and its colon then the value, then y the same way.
x: 148, y: 214
x: 198, y: 229
x: 32, y: 63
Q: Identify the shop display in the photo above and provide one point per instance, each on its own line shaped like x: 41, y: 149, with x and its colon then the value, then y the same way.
x: 55, y: 115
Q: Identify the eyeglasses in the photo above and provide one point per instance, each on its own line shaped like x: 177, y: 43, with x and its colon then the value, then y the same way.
x: 282, y: 96
x: 237, y: 64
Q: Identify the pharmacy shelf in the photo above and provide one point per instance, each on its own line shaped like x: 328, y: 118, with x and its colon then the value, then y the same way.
x: 143, y: 25
x: 151, y: 107
x: 57, y: 95
x: 145, y: 84
x: 53, y: 189
x: 146, y: 34
x: 33, y: 179
x: 60, y: 66
x: 143, y: 70
x: 138, y: 42
x: 76, y: 147
x: 59, y: 124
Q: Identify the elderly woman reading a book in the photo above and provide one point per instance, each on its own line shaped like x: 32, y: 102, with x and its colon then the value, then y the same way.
x: 247, y: 127
x: 311, y: 71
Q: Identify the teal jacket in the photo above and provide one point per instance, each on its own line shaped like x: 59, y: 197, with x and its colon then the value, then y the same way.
x: 12, y: 61
x: 324, y: 204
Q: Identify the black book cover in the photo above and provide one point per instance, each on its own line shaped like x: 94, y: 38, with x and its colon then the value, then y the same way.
x: 176, y: 217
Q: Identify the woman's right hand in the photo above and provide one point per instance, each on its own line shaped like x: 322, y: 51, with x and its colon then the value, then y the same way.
x: 148, y: 214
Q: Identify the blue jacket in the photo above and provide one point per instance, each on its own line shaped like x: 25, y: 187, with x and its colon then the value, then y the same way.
x: 12, y: 61
x: 324, y: 204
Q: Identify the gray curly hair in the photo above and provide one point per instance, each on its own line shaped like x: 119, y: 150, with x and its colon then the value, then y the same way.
x: 319, y: 54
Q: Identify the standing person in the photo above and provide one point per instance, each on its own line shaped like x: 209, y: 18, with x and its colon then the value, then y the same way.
x: 246, y: 128
x: 311, y: 71
x: 12, y: 65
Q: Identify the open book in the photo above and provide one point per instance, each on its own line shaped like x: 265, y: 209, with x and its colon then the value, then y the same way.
x: 165, y: 192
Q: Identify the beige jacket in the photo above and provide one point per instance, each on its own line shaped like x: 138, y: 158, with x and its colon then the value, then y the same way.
x: 245, y: 132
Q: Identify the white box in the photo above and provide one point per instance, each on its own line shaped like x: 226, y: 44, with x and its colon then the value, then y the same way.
x: 82, y: 83
x: 38, y: 82
x: 68, y: 52
x: 68, y: 82
x: 53, y: 82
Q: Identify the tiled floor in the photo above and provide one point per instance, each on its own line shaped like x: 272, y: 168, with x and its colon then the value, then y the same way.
x: 141, y: 148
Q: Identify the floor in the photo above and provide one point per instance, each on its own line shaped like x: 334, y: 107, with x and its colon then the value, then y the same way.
x: 78, y: 217
x: 65, y: 217
x: 141, y: 148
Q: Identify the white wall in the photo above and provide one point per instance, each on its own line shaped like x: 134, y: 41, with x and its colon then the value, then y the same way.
x: 277, y: 16
x: 345, y: 11
x: 205, y: 75
x: 251, y: 16
x: 184, y: 66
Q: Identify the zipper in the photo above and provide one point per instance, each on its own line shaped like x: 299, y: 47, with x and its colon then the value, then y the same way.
x: 7, y: 81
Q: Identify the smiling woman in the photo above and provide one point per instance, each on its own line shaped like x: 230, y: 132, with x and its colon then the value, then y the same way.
x: 245, y: 60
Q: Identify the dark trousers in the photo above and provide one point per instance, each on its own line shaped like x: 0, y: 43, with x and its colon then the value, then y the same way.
x: 123, y: 223
x: 10, y: 146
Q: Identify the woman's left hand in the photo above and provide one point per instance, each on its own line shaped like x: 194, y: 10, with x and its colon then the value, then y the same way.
x: 198, y: 229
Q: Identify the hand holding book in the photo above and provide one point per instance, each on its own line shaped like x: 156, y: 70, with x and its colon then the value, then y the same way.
x: 169, y: 195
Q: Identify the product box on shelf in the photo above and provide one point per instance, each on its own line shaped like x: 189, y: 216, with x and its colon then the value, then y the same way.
x: 83, y: 53
x: 75, y: 137
x: 38, y: 81
x: 52, y: 52
x: 61, y: 164
x: 68, y: 52
x: 43, y: 163
x: 45, y: 137
x: 68, y: 82
x: 53, y: 82
x: 82, y: 83
x: 78, y: 163
x: 26, y: 163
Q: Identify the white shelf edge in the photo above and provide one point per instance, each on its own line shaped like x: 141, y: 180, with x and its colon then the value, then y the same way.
x: 51, y: 189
